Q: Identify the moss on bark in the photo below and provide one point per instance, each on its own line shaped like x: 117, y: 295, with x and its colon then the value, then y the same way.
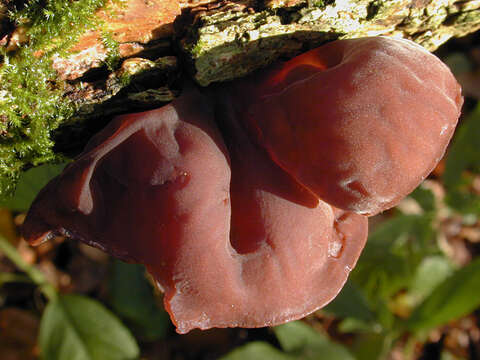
x: 53, y: 98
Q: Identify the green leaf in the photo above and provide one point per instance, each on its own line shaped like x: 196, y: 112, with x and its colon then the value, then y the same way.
x: 30, y: 183
x: 463, y: 153
x: 424, y: 197
x: 453, y: 298
x: 350, y: 302
x: 432, y: 271
x: 462, y: 156
x: 392, y: 253
x: 369, y: 346
x: 462, y: 199
x: 74, y: 327
x: 132, y: 297
x: 353, y: 325
x: 446, y: 355
x: 257, y: 351
x: 297, y: 338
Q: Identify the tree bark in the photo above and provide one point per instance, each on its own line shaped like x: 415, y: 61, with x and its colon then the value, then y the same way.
x: 157, y: 42
x: 216, y: 41
x: 231, y: 39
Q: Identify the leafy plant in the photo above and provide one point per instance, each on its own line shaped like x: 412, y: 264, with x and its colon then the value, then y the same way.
x: 73, y: 326
x: 450, y: 300
x: 77, y: 327
x: 132, y: 297
x: 29, y: 184
x: 461, y: 165
x: 298, y: 341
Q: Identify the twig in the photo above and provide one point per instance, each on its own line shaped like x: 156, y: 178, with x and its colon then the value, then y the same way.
x: 33, y: 273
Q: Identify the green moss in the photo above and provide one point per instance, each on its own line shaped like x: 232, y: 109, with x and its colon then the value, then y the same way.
x: 113, y: 51
x: 31, y: 98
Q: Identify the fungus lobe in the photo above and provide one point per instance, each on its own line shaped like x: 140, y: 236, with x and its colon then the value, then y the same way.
x: 242, y: 211
x: 359, y: 122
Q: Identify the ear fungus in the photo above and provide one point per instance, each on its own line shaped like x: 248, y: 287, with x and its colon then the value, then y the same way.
x: 232, y: 237
x: 359, y: 122
x: 156, y: 188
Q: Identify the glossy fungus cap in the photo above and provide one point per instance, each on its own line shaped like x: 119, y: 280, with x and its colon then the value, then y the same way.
x: 248, y: 212
x: 359, y: 122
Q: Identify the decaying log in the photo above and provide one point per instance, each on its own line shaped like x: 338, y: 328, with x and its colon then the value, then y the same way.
x: 230, y: 39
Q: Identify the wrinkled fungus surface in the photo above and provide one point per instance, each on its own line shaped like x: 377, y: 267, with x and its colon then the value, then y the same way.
x: 246, y: 206
x: 359, y: 122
